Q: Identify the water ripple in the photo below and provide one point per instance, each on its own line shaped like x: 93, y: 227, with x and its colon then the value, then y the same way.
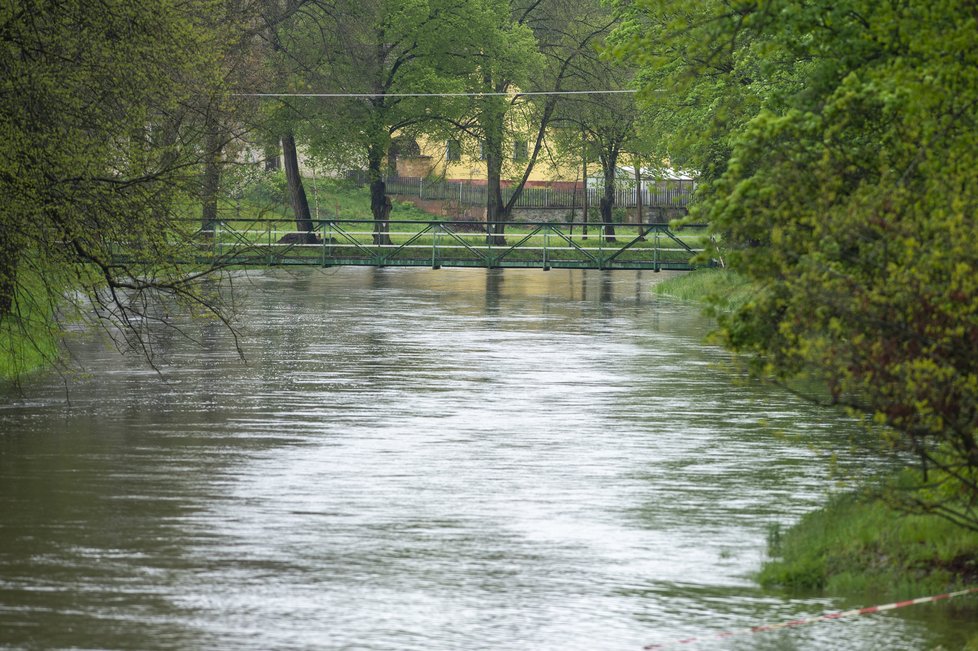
x: 416, y: 460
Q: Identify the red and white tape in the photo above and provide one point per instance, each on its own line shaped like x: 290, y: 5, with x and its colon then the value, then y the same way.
x: 813, y: 620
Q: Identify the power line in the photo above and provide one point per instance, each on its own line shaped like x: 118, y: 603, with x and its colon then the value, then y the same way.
x: 509, y: 94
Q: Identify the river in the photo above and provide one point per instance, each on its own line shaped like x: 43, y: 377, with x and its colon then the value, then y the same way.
x: 418, y: 459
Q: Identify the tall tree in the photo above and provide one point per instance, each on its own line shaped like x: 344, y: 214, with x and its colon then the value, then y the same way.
x: 608, y: 120
x: 283, y: 22
x: 382, y: 51
x: 534, y: 47
x: 700, y: 75
x: 227, y: 123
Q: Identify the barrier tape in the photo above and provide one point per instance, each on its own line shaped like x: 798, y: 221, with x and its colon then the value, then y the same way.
x: 763, y: 628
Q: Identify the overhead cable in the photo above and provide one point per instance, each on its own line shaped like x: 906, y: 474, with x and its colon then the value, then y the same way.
x: 504, y: 94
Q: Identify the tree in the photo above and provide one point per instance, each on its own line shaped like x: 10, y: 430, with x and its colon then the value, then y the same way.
x: 530, y: 46
x: 383, y: 51
x: 102, y: 110
x: 606, y: 120
x: 700, y: 74
x: 282, y: 26
x: 242, y: 67
x: 850, y: 197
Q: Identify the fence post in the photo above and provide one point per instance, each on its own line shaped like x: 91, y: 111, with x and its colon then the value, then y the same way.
x: 546, y: 243
x: 601, y: 245
x: 434, y: 247
x: 656, y: 254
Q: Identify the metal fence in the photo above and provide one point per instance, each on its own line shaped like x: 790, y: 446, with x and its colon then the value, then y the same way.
x: 655, y: 194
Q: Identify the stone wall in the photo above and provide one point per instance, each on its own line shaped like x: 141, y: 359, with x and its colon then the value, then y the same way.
x: 545, y: 215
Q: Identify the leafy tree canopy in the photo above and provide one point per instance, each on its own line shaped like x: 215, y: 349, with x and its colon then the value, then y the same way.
x: 848, y: 190
x: 102, y: 112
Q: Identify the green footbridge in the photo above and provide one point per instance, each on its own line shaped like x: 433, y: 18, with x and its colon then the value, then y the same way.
x: 436, y: 243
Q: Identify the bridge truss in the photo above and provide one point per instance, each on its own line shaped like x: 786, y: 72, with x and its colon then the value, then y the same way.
x: 335, y: 242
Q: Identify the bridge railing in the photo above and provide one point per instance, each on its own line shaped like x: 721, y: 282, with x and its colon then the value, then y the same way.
x: 435, y: 243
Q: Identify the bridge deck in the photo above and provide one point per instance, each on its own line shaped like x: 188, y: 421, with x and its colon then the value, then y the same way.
x: 334, y: 242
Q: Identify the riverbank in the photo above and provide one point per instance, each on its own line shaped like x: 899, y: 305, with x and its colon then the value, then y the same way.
x: 28, y: 340
x: 21, y: 354
x: 857, y: 543
x: 721, y: 289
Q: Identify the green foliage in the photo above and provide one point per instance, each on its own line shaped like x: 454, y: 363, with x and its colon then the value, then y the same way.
x: 699, y: 75
x: 848, y: 193
x: 386, y: 48
x: 100, y: 127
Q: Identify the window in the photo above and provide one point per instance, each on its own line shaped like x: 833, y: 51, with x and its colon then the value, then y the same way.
x: 483, y: 150
x: 453, y: 150
x: 520, y: 151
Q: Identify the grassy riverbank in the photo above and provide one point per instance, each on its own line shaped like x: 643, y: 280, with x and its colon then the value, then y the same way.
x: 27, y: 341
x: 857, y: 543
x: 20, y: 355
x: 259, y: 228
x: 721, y: 288
x: 267, y: 197
x: 859, y: 546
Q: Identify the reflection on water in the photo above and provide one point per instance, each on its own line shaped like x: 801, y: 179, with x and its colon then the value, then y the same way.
x: 411, y: 459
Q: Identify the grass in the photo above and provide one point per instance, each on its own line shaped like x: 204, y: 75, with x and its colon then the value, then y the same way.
x: 722, y: 288
x: 21, y: 354
x: 328, y: 199
x: 858, y: 543
x: 28, y: 342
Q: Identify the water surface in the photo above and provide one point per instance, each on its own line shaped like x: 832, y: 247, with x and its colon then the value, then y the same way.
x: 416, y: 459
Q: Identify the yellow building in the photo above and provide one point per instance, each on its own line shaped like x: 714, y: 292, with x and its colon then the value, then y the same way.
x: 464, y: 160
x: 450, y: 176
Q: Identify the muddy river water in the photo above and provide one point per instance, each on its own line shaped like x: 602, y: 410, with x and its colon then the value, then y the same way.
x: 418, y: 459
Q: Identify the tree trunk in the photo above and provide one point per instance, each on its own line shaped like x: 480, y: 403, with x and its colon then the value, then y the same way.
x: 380, y: 203
x: 586, y: 193
x: 493, y: 128
x: 639, y: 201
x: 297, y: 193
x: 495, y: 217
x: 605, y: 206
x: 212, y: 180
x: 609, y: 160
x: 271, y: 159
x: 573, y: 212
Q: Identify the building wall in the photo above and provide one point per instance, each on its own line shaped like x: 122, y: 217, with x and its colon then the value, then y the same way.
x: 433, y: 161
x: 420, y: 166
